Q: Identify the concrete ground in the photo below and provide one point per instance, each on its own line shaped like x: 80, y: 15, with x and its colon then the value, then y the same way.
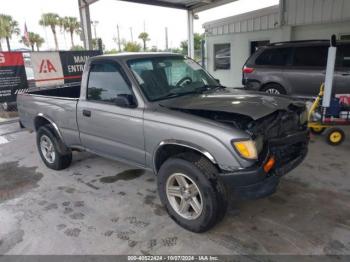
x: 98, y: 206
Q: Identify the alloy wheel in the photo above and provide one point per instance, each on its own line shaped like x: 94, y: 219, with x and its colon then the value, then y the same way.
x: 184, y: 196
x: 47, y: 149
x: 272, y: 91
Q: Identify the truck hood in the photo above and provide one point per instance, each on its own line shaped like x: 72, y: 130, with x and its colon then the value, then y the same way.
x: 253, y: 104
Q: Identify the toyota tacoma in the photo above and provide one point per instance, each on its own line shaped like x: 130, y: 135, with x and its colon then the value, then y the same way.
x: 163, y: 112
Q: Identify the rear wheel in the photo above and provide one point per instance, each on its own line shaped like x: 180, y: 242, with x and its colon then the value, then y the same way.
x: 317, y: 130
x: 21, y: 125
x: 50, y: 149
x: 335, y: 136
x: 191, y: 192
x: 274, y: 89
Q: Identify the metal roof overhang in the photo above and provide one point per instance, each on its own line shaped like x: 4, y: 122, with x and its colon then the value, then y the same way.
x: 193, y: 5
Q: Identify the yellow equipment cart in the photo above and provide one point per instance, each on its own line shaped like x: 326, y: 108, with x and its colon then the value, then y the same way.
x: 320, y: 120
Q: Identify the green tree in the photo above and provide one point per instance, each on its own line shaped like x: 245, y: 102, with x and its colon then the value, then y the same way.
x: 77, y: 48
x: 95, y: 44
x: 112, y: 51
x: 51, y: 20
x: 144, y: 37
x: 132, y: 47
x: 8, y: 27
x: 33, y: 40
x: 71, y: 25
x: 154, y: 49
x: 38, y: 41
x: 197, y: 43
x: 30, y: 42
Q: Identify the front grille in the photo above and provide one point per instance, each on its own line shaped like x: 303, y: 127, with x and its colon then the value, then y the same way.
x: 286, y: 153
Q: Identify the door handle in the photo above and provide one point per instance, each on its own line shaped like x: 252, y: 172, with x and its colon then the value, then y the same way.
x: 346, y: 74
x: 86, y: 113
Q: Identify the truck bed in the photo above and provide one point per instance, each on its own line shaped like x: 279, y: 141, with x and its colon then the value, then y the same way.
x: 67, y: 91
x: 56, y: 104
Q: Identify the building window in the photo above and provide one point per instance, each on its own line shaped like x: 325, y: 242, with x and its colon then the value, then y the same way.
x: 345, y: 37
x: 222, y: 57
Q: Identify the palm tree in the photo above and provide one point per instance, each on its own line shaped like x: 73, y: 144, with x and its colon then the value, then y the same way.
x: 8, y: 27
x: 144, y: 37
x: 62, y: 23
x: 33, y: 40
x: 71, y: 25
x: 38, y: 41
x: 30, y: 42
x: 51, y: 20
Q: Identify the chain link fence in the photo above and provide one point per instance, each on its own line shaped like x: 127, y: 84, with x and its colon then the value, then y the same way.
x: 8, y: 110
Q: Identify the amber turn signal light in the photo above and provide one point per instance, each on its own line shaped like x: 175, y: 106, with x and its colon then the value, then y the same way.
x: 269, y: 164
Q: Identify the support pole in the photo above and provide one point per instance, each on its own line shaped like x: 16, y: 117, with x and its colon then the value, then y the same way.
x: 190, y: 34
x: 332, y: 53
x: 85, y: 24
x: 166, y: 39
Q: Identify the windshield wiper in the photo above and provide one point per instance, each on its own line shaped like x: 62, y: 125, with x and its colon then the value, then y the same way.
x: 197, y: 90
x: 173, y: 95
x: 208, y: 88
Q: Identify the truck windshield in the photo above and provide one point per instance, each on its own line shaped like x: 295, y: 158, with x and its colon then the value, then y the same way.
x: 166, y: 77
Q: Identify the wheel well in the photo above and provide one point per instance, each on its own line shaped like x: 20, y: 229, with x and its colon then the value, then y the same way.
x: 271, y: 83
x: 40, y: 121
x: 167, y: 151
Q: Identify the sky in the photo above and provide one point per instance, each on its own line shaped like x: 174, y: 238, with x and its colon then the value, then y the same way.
x: 110, y: 13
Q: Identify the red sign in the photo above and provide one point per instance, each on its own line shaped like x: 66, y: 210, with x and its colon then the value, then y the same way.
x: 46, y: 66
x: 13, y: 77
x: 11, y: 59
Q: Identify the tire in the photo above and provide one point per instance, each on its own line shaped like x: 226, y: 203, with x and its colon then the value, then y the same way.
x: 21, y: 125
x: 335, y: 136
x: 56, y: 159
x: 212, y: 194
x: 274, y: 89
x: 317, y: 130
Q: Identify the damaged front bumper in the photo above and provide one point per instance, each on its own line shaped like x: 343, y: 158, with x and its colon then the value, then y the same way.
x: 254, y: 182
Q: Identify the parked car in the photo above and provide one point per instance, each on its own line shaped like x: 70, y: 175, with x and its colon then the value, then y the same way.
x: 296, y: 68
x: 165, y: 113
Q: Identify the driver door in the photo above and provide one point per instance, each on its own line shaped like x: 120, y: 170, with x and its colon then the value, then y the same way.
x: 106, y: 128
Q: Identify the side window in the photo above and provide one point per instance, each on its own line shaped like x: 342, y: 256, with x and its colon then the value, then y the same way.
x: 343, y: 56
x: 106, y: 83
x: 274, y: 57
x: 311, y: 56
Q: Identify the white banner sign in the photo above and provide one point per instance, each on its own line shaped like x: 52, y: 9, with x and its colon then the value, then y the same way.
x: 47, y: 68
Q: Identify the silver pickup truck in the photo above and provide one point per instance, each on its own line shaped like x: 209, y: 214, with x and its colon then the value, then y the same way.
x: 164, y: 113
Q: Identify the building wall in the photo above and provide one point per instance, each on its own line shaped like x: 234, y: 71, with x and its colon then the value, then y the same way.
x: 263, y: 19
x: 306, y: 12
x: 320, y: 31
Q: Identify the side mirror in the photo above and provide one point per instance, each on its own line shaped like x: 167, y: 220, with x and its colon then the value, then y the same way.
x: 125, y: 100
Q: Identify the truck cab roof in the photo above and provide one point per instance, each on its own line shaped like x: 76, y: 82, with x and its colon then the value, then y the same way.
x: 130, y: 55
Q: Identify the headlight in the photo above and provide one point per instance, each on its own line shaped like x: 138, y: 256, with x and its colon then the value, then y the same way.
x: 246, y: 148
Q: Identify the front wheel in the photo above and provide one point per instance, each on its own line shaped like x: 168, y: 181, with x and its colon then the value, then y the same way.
x: 335, y: 136
x: 191, y: 192
x: 49, y: 149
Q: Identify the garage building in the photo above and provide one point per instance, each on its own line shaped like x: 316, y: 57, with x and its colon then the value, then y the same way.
x: 230, y: 41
